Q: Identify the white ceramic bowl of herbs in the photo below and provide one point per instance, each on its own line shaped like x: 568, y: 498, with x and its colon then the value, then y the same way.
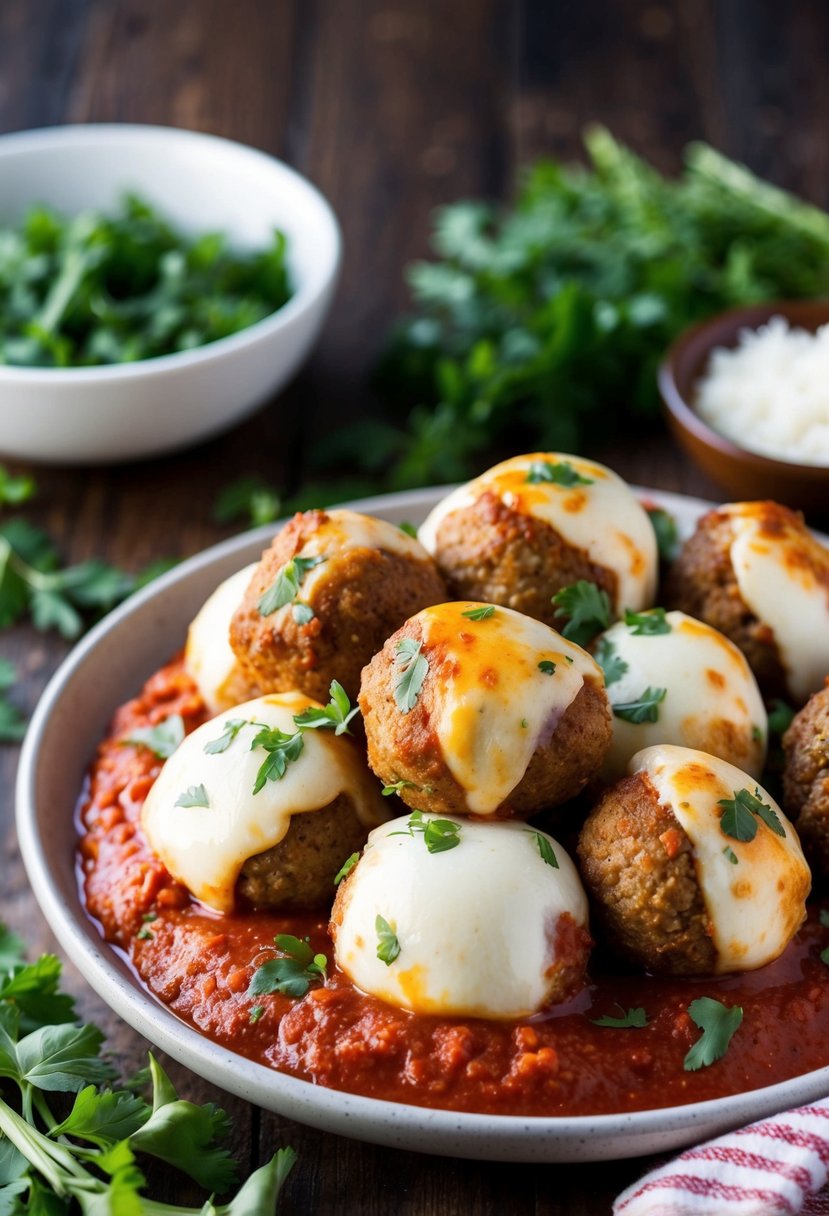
x: 199, y: 185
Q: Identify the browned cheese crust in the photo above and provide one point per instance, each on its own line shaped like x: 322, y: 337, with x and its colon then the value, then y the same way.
x: 405, y: 747
x: 298, y: 873
x: 490, y: 553
x: 638, y: 865
x: 366, y: 594
x: 702, y: 583
x: 806, y: 779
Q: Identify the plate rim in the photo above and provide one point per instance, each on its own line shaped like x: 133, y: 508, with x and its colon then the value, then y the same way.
x: 425, y: 1129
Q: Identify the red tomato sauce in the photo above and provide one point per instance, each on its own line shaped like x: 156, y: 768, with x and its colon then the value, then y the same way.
x: 555, y: 1063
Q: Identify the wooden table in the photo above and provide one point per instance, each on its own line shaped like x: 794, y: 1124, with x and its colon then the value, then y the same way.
x: 391, y: 108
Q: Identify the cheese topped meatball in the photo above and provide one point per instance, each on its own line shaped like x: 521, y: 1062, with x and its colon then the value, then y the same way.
x: 208, y: 657
x: 476, y: 709
x: 671, y: 679
x: 249, y: 805
x: 534, y: 524
x: 324, y: 598
x: 495, y: 927
x: 693, y: 866
x: 754, y: 571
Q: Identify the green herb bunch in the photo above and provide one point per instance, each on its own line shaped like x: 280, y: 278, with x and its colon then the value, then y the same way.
x: 95, y: 288
x: 543, y: 324
x: 63, y: 1154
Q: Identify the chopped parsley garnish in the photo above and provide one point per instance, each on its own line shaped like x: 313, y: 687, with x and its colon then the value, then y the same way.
x: 547, y: 667
x: 756, y: 734
x: 738, y: 818
x: 588, y: 608
x: 667, y: 534
x: 256, y: 1013
x: 346, y: 868
x: 613, y: 666
x: 561, y: 473
x: 781, y: 717
x: 408, y: 528
x: 249, y: 497
x: 388, y: 947
x: 730, y: 855
x: 644, y: 709
x: 480, y: 614
x: 411, y: 669
x: 439, y: 835
x: 335, y: 716
x: 161, y: 739
x: 12, y: 722
x: 144, y: 935
x: 281, y: 747
x: 634, y: 1019
x: 194, y: 795
x: 396, y: 786
x: 545, y: 848
x: 293, y: 972
x: 302, y: 613
x: 647, y: 624
x: 286, y: 585
x: 231, y: 729
x: 718, y: 1024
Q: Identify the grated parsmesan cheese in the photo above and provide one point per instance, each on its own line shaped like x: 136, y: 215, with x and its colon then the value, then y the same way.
x: 770, y: 394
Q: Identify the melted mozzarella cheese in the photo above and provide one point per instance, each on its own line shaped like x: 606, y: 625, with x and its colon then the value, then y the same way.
x: 756, y: 905
x: 711, y: 703
x: 783, y: 576
x: 493, y: 704
x: 476, y: 925
x: 206, y: 847
x: 603, y: 519
x: 208, y: 657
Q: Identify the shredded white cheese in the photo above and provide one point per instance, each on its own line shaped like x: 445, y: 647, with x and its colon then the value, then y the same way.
x: 770, y: 394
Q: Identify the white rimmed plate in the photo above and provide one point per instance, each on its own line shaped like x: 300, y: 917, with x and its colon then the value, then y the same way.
x: 107, y: 668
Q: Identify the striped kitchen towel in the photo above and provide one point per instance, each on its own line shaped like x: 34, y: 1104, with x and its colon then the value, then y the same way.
x: 776, y: 1167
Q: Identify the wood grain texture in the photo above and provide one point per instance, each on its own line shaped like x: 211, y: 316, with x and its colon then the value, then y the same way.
x: 392, y: 107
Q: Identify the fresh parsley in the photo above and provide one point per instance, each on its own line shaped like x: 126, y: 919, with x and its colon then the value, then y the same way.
x: 335, y: 716
x: 411, y: 669
x: 302, y: 612
x: 388, y: 946
x: 285, y: 586
x: 231, y: 729
x: 346, y: 868
x: 561, y: 473
x: 587, y: 609
x: 409, y: 529
x: 647, y: 624
x: 547, y: 667
x: 12, y: 722
x: 633, y: 1019
x: 194, y: 795
x: 718, y: 1024
x: 644, y: 709
x: 667, y: 533
x: 611, y: 663
x: 439, y: 835
x: 282, y: 749
x: 480, y: 614
x: 293, y: 972
x: 161, y: 739
x: 396, y: 786
x: 545, y: 848
x: 738, y: 816
x: 730, y: 855
x: 249, y: 498
x: 781, y: 717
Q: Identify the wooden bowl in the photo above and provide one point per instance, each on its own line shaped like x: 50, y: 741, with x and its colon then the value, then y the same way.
x: 743, y: 474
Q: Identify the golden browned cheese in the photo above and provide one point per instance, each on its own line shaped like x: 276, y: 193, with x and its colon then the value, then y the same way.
x: 806, y: 778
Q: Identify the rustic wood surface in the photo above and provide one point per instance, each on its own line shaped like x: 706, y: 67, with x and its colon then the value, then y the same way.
x: 391, y: 107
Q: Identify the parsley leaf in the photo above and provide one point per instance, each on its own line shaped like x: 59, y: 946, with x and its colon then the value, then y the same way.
x: 194, y: 795
x: 634, y: 1019
x: 560, y: 473
x: 480, y: 614
x: 396, y: 786
x: 285, y: 586
x: 103, y: 1116
x: 301, y: 612
x: 737, y: 819
x: 161, y: 739
x: 718, y: 1024
x: 667, y: 533
x: 409, y: 529
x: 411, y: 669
x: 388, y: 946
x: 335, y: 716
x: 781, y: 717
x: 291, y: 974
x: 249, y: 497
x: 547, y: 667
x: 644, y: 709
x: 545, y: 848
x: 439, y: 835
x: 281, y: 747
x: 346, y: 868
x: 62, y: 1058
x: 647, y: 624
x: 587, y: 608
x: 730, y: 855
x: 231, y: 729
x: 612, y: 664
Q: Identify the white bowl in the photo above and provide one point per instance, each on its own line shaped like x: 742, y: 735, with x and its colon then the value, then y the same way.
x: 200, y: 183
x: 107, y: 668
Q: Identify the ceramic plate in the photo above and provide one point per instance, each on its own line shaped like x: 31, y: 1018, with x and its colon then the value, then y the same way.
x: 107, y: 668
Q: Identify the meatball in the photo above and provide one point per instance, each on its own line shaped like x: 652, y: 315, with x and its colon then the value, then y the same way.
x: 806, y: 778
x: 754, y: 571
x: 324, y: 598
x: 495, y: 927
x: 678, y: 887
x: 473, y: 709
x: 249, y: 805
x: 535, y: 524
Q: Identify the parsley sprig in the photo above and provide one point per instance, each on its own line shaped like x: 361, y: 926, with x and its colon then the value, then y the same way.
x: 647, y: 624
x: 587, y: 608
x: 644, y: 709
x: 633, y: 1019
x: 161, y: 739
x: 439, y: 835
x: 740, y: 814
x: 293, y: 972
x: 611, y: 663
x: 411, y: 669
x: 285, y: 587
x: 87, y: 1152
x: 335, y: 716
x: 558, y: 473
x: 388, y: 944
x: 718, y: 1023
